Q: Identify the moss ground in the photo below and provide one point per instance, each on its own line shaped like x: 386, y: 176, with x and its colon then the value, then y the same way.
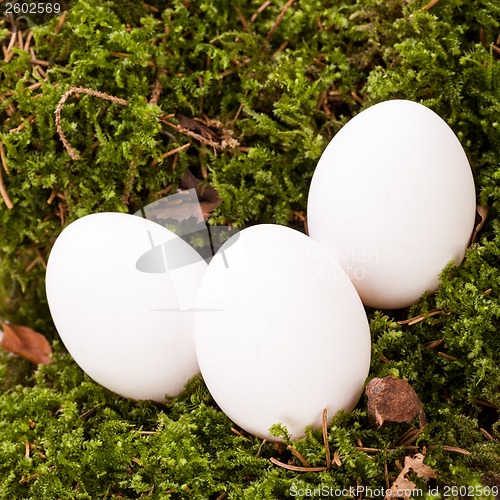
x: 282, y: 91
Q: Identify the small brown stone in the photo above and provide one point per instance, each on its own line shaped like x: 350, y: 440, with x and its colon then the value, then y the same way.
x: 391, y: 401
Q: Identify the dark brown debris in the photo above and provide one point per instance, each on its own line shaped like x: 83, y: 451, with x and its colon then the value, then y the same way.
x: 391, y: 401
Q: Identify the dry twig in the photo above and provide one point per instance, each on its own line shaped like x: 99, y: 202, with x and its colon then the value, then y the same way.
x: 170, y: 153
x: 237, y: 432
x: 241, y: 17
x: 3, y: 191
x: 296, y: 468
x: 429, y: 5
x: 31, y: 118
x: 79, y: 90
x: 420, y: 317
x: 12, y: 41
x: 199, y: 129
x: 279, y: 19
x: 324, y: 421
x: 486, y: 434
x: 296, y: 453
x: 4, y: 159
x: 60, y: 23
x: 27, y: 43
x: 259, y: 451
x: 157, y: 88
x: 263, y: 7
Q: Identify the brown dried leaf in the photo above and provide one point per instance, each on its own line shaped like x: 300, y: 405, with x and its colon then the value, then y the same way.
x: 27, y: 343
x: 417, y: 465
x: 481, y: 214
x: 401, y: 488
x: 391, y: 401
x: 404, y: 487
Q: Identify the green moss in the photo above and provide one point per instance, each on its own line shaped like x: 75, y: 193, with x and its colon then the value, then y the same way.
x: 282, y: 98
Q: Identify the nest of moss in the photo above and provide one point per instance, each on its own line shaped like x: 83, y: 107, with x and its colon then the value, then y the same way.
x: 269, y: 84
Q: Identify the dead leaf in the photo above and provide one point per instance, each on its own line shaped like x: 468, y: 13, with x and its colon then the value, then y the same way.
x: 27, y: 343
x: 481, y: 214
x: 391, y: 400
x: 404, y: 487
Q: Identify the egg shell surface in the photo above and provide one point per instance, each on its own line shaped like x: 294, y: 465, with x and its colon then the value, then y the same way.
x: 281, y: 333
x: 393, y: 198
x: 124, y: 327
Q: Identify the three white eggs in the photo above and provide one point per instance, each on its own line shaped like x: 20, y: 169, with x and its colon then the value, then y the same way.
x: 275, y: 322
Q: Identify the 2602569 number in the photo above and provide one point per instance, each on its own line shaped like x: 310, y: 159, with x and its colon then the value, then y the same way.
x: 471, y: 491
x: 32, y: 8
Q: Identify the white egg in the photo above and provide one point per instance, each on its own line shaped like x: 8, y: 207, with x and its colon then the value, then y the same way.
x: 393, y: 199
x: 119, y: 289
x: 281, y: 333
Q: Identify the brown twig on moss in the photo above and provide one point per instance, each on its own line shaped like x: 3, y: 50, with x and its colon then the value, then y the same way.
x: 170, y: 153
x: 32, y: 264
x: 356, y: 97
x: 60, y: 23
x: 447, y: 356
x: 420, y: 317
x: 12, y: 41
x: 60, y: 211
x: 408, y: 437
x: 20, y: 40
x: 433, y: 343
x: 262, y: 8
x: 444, y: 447
x: 296, y: 468
x: 31, y: 118
x: 3, y: 191
x: 241, y: 17
x: 279, y: 19
x: 4, y: 159
x: 296, y: 453
x: 199, y: 129
x: 324, y: 421
x: 157, y: 88
x: 27, y: 43
x: 264, y: 441
x: 280, y: 49
x: 454, y: 449
x: 52, y: 196
x: 41, y: 258
x: 79, y: 90
x: 482, y: 402
x: 429, y: 5
x: 40, y: 62
x: 237, y: 432
x: 487, y: 435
